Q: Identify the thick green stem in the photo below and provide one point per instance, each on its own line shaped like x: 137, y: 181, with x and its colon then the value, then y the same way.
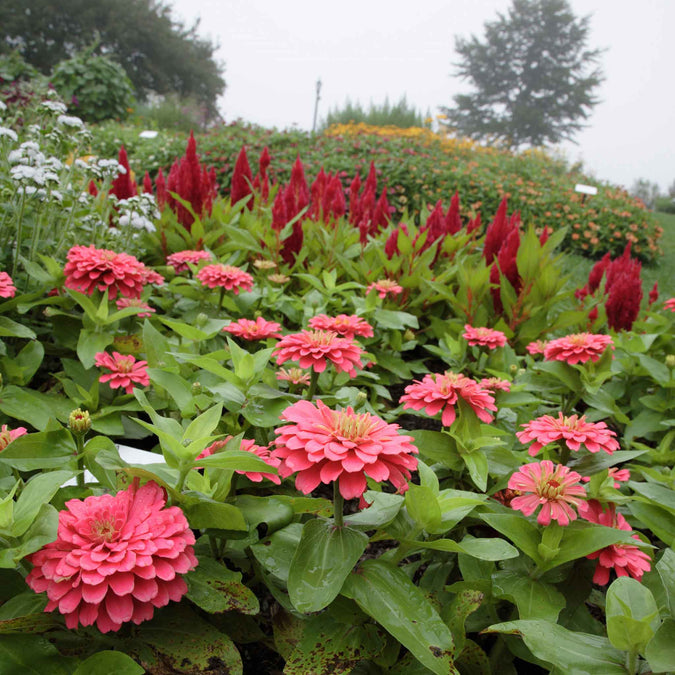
x: 79, y: 444
x: 312, y: 385
x: 338, y: 504
x: 221, y: 297
x: 182, y: 476
x: 19, y: 234
x: 632, y: 662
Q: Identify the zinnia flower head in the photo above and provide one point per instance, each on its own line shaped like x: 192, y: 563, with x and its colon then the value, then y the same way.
x: 152, y: 277
x: 179, y: 261
x: 324, y: 445
x: 536, y: 347
x: 385, y: 287
x: 572, y: 430
x: 125, y: 371
x: 7, y: 435
x: 225, y: 276
x: 484, y: 337
x: 7, y: 288
x: 315, y: 348
x: 254, y: 330
x: 248, y: 445
x: 115, y: 558
x: 495, y: 384
x: 123, y: 303
x: 619, y: 476
x: 553, y: 487
x: 293, y: 375
x: 89, y: 268
x: 345, y: 325
x: 625, y: 559
x: 670, y: 304
x: 578, y: 348
x: 438, y: 392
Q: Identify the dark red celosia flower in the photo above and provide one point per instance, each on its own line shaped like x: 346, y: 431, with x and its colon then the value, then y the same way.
x: 317, y: 192
x: 123, y: 187
x: 265, y: 161
x: 335, y: 203
x: 545, y: 234
x: 654, y: 293
x: 434, y: 227
x: 507, y: 261
x: 242, y: 180
x: 597, y: 272
x: 391, y: 245
x: 115, y: 558
x: 147, y: 184
x: 297, y: 192
x: 624, y: 297
x: 381, y: 213
x: 354, y: 189
x: 324, y: 446
x: 453, y: 222
x: 89, y: 268
x: 496, y: 232
x: 292, y: 244
x: 92, y: 189
x: 371, y: 179
x: 279, y: 218
x: 162, y: 195
x: 474, y: 224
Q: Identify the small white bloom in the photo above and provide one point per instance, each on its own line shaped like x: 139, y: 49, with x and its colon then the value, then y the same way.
x: 55, y: 106
x: 69, y: 121
x: 9, y: 133
x: 3, y: 107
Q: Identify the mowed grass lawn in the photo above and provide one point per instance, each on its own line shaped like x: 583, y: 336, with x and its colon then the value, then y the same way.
x: 662, y: 271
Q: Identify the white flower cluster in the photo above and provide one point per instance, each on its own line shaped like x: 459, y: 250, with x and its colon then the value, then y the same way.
x: 31, y: 167
x: 70, y: 121
x: 6, y: 132
x: 138, y: 212
x: 54, y: 106
x: 106, y: 168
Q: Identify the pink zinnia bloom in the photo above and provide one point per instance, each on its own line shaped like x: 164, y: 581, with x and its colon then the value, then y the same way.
x: 577, y: 348
x: 314, y: 348
x: 536, y: 347
x: 438, y: 392
x: 248, y: 445
x: 254, y: 330
x: 123, y: 303
x: 125, y: 371
x: 345, y: 325
x: 89, y: 268
x: 670, y: 304
x: 115, y: 558
x: 495, y: 384
x: 553, y: 487
x: 573, y: 430
x: 619, y: 476
x: 8, y: 435
x: 293, y: 375
x: 385, y: 287
x: 626, y: 559
x: 225, y: 276
x: 179, y: 261
x: 7, y: 288
x: 324, y: 445
x: 152, y: 277
x: 484, y: 337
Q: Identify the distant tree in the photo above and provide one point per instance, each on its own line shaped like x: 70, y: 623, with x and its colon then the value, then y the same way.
x: 400, y: 114
x: 646, y: 190
x: 532, y: 75
x: 158, y: 53
x: 671, y: 190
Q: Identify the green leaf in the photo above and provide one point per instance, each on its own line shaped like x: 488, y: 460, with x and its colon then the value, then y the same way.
x: 632, y: 615
x: 658, y: 494
x: 205, y: 424
x: 20, y: 369
x: 32, y: 406
x: 438, y: 447
x: 208, y: 330
x: 91, y: 343
x: 659, y: 652
x: 215, y: 588
x: 658, y: 520
x: 570, y: 651
x: 325, y: 556
x: 239, y: 460
x: 423, y: 508
x: 41, y: 450
x: 382, y: 510
x: 518, y: 529
x: 666, y: 570
x: 477, y: 464
x: 38, y: 491
x: 179, y: 389
x: 276, y: 552
x: 388, y: 595
x: 9, y: 328
x: 269, y: 510
x: 483, y: 549
x: 455, y: 505
x: 463, y: 604
x: 386, y: 318
x: 107, y: 662
x: 31, y: 655
x: 535, y: 599
x: 216, y: 515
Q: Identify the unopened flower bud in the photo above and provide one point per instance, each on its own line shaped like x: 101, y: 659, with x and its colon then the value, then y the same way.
x: 361, y: 398
x: 196, y: 388
x: 670, y: 360
x: 513, y: 369
x: 408, y: 335
x: 201, y: 319
x: 79, y: 421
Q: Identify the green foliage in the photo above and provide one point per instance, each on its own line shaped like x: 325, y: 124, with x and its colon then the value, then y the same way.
x: 532, y: 75
x: 97, y: 88
x: 399, y: 114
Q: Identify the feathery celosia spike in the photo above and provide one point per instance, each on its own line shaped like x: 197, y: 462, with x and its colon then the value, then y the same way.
x: 123, y: 187
x: 597, y: 272
x: 354, y: 201
x: 434, y: 226
x: 147, y: 184
x: 654, y: 293
x: 160, y: 187
x: 242, y: 180
x: 371, y: 179
x: 298, y: 187
x: 292, y: 244
x: 279, y: 218
x: 453, y: 222
x: 474, y: 224
x: 496, y: 233
x: 337, y: 205
x: 380, y: 218
x: 265, y: 161
x: 317, y: 192
x: 92, y: 189
x: 391, y: 245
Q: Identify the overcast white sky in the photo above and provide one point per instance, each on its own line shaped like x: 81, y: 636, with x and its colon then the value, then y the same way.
x: 276, y: 50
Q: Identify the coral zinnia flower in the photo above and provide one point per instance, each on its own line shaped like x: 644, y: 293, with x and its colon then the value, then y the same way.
x: 225, y: 276
x: 123, y: 303
x: 385, y: 287
x: 626, y: 559
x: 573, y: 430
x: 7, y: 288
x: 577, y: 348
x: 670, y: 304
x: 115, y: 558
x: 293, y: 375
x: 89, y: 268
x: 179, y: 261
x: 254, y: 330
x: 553, y: 487
x: 152, y: 277
x: 495, y: 384
x: 248, y: 445
x: 536, y: 347
x: 125, y: 371
x: 485, y: 337
x: 313, y: 348
x: 325, y: 445
x: 438, y: 392
x: 346, y: 325
x: 8, y: 435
